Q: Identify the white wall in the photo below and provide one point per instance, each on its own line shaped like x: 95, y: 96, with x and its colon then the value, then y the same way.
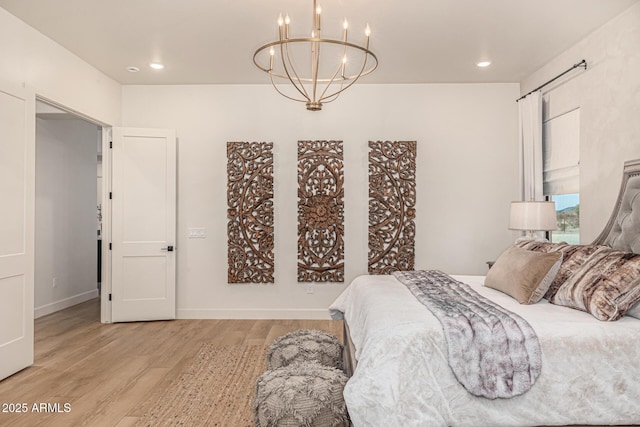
x: 30, y: 58
x: 66, y: 159
x: 608, y: 95
x: 466, y: 177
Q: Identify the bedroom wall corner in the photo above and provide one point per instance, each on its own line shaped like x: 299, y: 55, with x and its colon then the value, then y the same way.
x: 29, y: 58
x: 608, y: 95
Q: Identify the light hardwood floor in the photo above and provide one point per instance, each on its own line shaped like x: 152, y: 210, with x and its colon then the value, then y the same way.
x: 106, y: 372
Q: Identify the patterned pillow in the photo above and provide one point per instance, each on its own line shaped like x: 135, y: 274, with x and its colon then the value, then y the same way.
x: 573, y: 257
x: 534, y: 245
x: 607, y: 285
x: 634, y: 311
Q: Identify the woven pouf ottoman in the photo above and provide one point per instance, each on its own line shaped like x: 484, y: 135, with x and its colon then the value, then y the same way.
x: 305, y: 345
x: 302, y: 394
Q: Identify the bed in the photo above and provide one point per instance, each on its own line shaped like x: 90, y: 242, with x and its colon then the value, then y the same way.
x: 397, y: 352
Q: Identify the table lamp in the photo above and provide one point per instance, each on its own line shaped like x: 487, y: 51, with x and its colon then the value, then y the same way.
x: 531, y: 217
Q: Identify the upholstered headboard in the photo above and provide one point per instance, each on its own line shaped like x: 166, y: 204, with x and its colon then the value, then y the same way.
x: 623, y: 229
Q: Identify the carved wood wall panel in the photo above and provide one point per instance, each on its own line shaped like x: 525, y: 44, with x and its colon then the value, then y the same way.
x: 392, y: 201
x: 250, y: 212
x: 320, y: 211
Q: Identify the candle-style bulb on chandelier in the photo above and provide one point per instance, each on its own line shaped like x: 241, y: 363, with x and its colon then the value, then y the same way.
x: 330, y: 65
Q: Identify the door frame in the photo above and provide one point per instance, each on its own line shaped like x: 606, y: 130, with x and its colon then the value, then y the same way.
x: 105, y: 287
x: 105, y: 290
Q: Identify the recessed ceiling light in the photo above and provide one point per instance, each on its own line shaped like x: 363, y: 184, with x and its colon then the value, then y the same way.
x: 133, y: 69
x: 483, y: 64
x: 156, y: 66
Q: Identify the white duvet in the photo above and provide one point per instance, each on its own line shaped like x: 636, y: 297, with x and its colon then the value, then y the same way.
x: 590, y: 369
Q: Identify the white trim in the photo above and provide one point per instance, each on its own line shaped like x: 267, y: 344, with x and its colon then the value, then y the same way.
x: 76, y: 113
x: 52, y: 307
x: 105, y: 281
x: 241, y: 313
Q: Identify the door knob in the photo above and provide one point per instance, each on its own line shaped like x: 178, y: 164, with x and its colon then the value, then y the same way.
x: 168, y: 249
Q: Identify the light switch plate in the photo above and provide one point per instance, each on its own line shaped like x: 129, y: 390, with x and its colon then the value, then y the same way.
x: 197, y: 233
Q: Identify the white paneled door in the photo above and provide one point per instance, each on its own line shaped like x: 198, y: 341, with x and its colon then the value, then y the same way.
x: 17, y: 199
x: 144, y: 225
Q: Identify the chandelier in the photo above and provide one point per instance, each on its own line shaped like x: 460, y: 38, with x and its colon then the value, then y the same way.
x: 323, y: 81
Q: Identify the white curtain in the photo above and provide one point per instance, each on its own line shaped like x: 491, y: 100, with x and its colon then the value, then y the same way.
x: 530, y: 143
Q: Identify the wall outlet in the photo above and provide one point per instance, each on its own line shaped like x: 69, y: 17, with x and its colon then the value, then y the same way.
x: 54, y: 282
x: 310, y: 288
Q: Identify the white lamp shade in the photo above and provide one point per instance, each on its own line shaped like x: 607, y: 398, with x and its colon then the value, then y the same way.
x: 533, y: 216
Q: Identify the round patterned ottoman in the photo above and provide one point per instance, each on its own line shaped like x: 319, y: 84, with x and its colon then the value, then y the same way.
x: 305, y: 345
x: 301, y: 394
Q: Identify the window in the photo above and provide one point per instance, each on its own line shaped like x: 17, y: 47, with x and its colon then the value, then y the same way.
x: 567, y: 217
x: 561, y: 173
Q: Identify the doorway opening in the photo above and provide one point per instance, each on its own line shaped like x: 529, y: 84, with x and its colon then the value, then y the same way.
x: 68, y: 210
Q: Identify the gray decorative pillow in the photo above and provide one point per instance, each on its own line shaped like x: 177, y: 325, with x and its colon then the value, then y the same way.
x: 524, y: 275
x: 607, y: 285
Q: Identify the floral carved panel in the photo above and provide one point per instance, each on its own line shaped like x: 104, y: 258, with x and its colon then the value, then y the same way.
x: 250, y: 212
x: 392, y: 201
x: 320, y: 211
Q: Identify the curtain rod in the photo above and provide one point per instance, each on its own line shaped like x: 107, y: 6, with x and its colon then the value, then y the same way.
x: 582, y: 63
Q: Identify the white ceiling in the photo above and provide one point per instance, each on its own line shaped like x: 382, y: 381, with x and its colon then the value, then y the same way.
x: 416, y: 41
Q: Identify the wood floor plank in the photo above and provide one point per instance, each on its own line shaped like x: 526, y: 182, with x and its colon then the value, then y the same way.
x: 127, y: 422
x: 120, y: 401
x: 111, y: 374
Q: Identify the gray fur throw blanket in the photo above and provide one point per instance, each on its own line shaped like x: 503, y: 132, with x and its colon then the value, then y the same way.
x: 493, y: 352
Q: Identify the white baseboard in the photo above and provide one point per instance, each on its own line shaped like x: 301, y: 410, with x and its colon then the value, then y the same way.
x: 293, y: 313
x: 52, y: 307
